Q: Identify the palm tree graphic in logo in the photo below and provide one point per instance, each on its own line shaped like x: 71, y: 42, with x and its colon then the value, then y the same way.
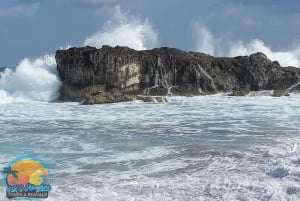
x: 9, y: 171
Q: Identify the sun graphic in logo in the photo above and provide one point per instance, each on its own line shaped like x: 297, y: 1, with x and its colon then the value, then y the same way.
x: 27, y: 176
x: 26, y: 171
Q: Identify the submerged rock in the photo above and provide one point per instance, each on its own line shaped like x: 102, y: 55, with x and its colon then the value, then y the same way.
x: 152, y: 98
x: 280, y: 92
x: 114, y: 74
x: 261, y: 93
x: 101, y: 97
x: 243, y: 91
x: 278, y: 173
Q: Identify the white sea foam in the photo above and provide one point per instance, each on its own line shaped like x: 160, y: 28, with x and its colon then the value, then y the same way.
x: 206, y: 42
x: 285, y: 58
x: 124, y: 30
x: 199, y: 148
x: 32, y: 80
x: 37, y: 80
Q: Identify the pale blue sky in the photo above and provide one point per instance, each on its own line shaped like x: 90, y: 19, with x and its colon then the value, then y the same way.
x: 31, y: 28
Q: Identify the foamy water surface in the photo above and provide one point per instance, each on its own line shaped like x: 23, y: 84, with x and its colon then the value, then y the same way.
x: 199, y: 148
x: 210, y: 148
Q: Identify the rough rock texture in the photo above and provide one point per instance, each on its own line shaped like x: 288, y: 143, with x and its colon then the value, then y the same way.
x: 243, y: 91
x: 119, y: 74
x: 280, y: 92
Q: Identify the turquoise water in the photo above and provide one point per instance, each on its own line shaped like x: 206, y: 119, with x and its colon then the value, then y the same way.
x: 200, y: 148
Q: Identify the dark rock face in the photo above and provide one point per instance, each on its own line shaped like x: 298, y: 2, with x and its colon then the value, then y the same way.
x: 120, y: 73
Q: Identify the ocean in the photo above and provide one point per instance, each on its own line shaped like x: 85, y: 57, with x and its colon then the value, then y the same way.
x: 203, y: 148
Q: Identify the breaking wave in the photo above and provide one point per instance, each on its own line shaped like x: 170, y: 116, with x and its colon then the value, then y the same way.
x: 32, y: 80
x: 37, y: 80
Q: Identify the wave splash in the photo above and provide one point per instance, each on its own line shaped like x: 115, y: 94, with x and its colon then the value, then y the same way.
x: 37, y: 80
x: 285, y: 58
x: 32, y: 80
x: 206, y: 42
x: 125, y: 30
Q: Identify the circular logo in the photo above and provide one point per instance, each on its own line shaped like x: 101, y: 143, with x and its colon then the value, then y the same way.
x: 27, y: 177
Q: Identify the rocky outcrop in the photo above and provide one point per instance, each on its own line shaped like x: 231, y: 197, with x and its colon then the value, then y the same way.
x: 114, y: 74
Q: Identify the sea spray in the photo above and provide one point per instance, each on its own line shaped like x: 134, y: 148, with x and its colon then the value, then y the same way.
x: 32, y: 80
x: 285, y: 58
x: 37, y: 79
x: 125, y: 30
x: 208, y: 43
